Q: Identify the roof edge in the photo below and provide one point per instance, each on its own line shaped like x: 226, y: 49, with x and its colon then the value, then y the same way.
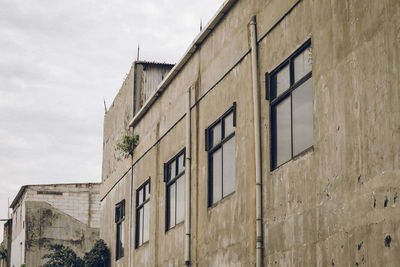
x: 226, y: 6
x: 24, y: 187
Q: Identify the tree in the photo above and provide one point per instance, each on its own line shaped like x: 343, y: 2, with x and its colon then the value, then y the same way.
x: 61, y: 256
x: 3, y: 252
x: 99, y: 256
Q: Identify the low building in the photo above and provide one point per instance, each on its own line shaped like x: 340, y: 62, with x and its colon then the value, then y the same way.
x: 67, y: 214
x: 274, y: 141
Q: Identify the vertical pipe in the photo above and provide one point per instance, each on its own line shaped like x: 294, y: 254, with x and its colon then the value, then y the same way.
x: 187, y: 181
x: 257, y: 143
x: 130, y: 219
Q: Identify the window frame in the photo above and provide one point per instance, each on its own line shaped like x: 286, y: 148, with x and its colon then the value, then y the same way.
x: 170, y: 182
x: 119, y: 220
x: 140, y: 206
x: 275, y: 99
x: 211, y: 148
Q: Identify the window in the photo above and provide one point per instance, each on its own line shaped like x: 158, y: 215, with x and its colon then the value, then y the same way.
x: 119, y: 221
x: 174, y: 176
x: 289, y: 89
x: 220, y: 144
x: 142, y: 213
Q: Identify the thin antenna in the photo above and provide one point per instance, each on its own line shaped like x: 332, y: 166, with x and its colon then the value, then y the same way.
x: 8, y: 208
x: 201, y: 25
x: 138, y: 50
x: 105, y: 107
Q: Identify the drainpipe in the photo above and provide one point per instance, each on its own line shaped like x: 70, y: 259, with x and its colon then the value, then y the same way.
x: 187, y: 181
x: 257, y: 143
x: 130, y: 218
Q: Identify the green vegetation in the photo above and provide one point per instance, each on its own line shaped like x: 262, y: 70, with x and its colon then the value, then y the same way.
x: 99, y: 256
x: 62, y: 256
x: 3, y: 252
x: 128, y: 144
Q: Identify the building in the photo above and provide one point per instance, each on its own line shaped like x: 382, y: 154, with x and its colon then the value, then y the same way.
x: 6, y: 244
x: 67, y: 214
x: 274, y: 141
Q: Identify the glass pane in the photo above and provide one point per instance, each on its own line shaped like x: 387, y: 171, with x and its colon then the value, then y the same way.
x: 217, y: 175
x: 228, y: 121
x: 139, y: 221
x: 146, y: 222
x: 140, y: 197
x: 181, y: 161
x: 302, y: 64
x: 282, y: 80
x: 302, y: 117
x: 147, y: 190
x: 122, y: 239
x: 283, y: 132
x: 180, y: 199
x: 119, y: 240
x: 229, y: 167
x: 216, y: 134
x: 172, y: 170
x: 171, y: 206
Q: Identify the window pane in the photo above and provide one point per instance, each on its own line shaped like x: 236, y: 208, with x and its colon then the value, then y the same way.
x: 172, y: 170
x: 148, y: 190
x: 140, y: 198
x: 282, y: 80
x: 302, y: 64
x: 283, y: 133
x: 181, y: 161
x: 302, y: 117
x: 146, y: 222
x: 122, y: 239
x: 180, y: 199
x: 229, y: 166
x: 228, y: 121
x: 217, y: 175
x: 171, y: 206
x: 139, y: 221
x: 216, y: 134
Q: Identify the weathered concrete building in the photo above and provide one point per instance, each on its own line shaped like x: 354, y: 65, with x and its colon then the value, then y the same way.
x: 67, y: 214
x: 6, y: 244
x: 274, y: 141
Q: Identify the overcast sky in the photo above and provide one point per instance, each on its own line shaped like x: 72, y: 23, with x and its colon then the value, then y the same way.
x: 58, y: 60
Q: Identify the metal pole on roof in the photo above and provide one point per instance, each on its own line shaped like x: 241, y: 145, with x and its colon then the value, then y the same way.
x: 138, y: 50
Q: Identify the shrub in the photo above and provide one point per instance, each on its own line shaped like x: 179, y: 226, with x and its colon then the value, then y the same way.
x: 127, y: 144
x: 99, y: 256
x: 61, y: 256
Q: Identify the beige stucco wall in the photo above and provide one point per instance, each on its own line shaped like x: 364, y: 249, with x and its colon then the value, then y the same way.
x: 335, y: 204
x: 319, y: 208
x: 58, y: 213
x: 120, y: 192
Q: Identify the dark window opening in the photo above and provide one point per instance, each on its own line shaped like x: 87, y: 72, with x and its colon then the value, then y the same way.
x: 289, y: 89
x: 119, y: 221
x: 221, y: 147
x: 142, y: 214
x: 174, y: 176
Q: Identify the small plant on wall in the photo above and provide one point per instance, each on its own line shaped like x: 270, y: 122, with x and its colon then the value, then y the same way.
x: 126, y: 146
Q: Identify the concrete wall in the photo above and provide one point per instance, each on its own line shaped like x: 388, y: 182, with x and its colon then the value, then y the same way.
x: 337, y: 204
x: 108, y: 231
x: 60, y: 213
x: 47, y: 225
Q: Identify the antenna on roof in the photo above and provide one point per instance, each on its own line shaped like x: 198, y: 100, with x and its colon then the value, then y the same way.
x: 201, y: 25
x: 8, y: 208
x: 105, y: 107
x: 138, y: 50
